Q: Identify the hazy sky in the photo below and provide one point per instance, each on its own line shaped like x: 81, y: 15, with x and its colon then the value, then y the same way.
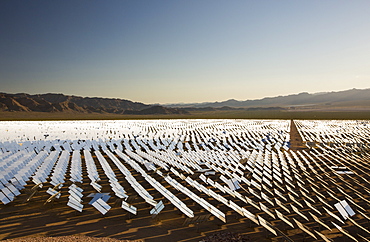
x: 159, y: 51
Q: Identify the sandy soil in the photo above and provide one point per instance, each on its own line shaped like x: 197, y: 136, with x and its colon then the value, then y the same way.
x: 65, y: 239
x: 34, y: 221
x: 23, y: 220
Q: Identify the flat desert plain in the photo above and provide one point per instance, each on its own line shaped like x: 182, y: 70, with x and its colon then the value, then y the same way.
x: 185, y: 180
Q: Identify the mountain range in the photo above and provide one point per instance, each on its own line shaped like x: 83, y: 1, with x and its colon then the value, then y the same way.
x: 354, y: 99
x: 348, y: 98
x: 50, y: 102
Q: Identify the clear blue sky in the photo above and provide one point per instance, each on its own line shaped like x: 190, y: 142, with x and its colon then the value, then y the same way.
x: 184, y: 51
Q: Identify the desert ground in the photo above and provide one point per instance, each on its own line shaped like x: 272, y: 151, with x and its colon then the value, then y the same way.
x: 31, y: 218
x: 306, y: 114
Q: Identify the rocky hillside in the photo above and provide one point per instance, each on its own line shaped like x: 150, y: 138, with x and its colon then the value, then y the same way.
x: 22, y: 102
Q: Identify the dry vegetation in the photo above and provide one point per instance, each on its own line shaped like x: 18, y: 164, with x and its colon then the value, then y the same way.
x: 228, y: 114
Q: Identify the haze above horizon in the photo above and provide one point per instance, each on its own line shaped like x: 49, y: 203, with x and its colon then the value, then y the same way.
x: 183, y: 51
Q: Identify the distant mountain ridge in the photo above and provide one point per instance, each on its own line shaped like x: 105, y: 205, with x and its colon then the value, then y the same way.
x: 347, y: 97
x: 50, y: 102
x: 349, y: 100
